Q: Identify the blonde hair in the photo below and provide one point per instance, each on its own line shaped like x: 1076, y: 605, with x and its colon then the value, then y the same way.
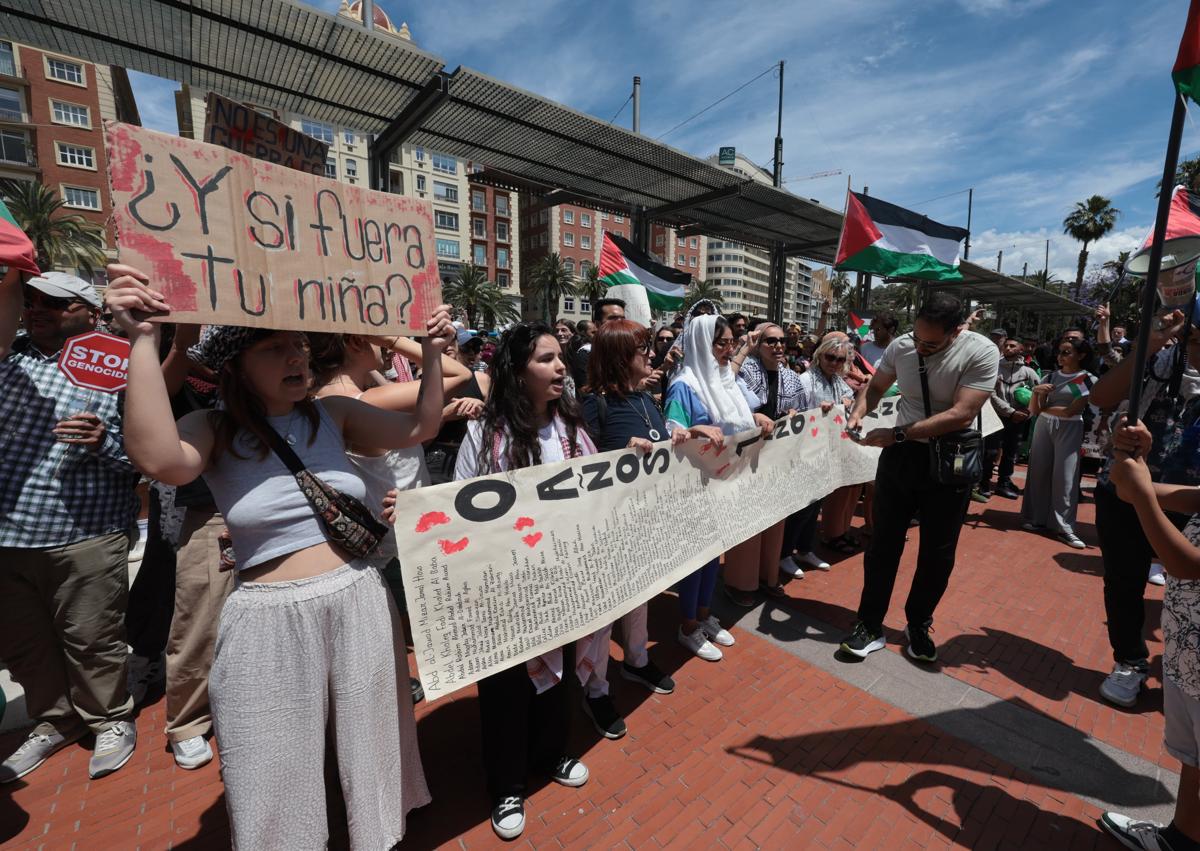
x: 833, y: 344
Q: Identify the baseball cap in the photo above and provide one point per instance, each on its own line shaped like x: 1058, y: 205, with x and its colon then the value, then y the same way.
x: 998, y: 333
x: 63, y: 285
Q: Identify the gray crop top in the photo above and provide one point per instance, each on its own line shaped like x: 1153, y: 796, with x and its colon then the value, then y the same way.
x: 264, y: 509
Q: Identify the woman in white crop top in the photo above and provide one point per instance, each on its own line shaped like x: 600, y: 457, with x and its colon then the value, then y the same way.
x: 307, y: 639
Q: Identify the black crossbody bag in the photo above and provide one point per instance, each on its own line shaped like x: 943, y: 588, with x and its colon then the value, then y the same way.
x: 955, y: 458
x: 348, y: 523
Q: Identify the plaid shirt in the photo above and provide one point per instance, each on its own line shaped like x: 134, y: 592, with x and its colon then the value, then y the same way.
x: 51, y: 493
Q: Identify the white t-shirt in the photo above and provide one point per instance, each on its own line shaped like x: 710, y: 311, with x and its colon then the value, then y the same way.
x: 468, y: 454
x: 970, y: 361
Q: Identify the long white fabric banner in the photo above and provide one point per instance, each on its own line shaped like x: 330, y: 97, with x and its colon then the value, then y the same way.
x: 500, y: 569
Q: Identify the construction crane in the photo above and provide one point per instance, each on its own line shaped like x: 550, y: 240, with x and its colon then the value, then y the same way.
x: 833, y: 173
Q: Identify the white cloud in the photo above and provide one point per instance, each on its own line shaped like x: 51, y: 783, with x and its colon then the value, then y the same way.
x: 1029, y: 246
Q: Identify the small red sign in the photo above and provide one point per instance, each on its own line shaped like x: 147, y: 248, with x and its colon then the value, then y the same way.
x: 96, y: 361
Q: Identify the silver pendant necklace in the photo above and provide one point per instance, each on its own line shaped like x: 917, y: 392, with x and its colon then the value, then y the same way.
x: 651, y: 431
x: 288, y: 436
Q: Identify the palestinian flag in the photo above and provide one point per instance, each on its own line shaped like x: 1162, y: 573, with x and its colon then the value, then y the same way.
x: 1183, y: 217
x: 16, y: 249
x: 622, y: 264
x: 858, y: 326
x: 1080, y: 385
x: 883, y: 239
x: 1186, y: 72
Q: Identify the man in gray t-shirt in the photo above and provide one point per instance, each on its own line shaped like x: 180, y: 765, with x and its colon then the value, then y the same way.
x: 961, y: 371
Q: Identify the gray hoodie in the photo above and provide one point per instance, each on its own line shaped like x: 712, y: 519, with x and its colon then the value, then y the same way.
x: 1012, y: 374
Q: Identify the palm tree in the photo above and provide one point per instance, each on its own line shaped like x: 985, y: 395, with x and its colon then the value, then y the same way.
x: 1090, y: 220
x: 479, y: 298
x: 1045, y: 280
x: 1187, y: 173
x: 590, y: 287
x: 549, y: 280
x: 701, y: 290
x: 840, y: 289
x: 59, y: 238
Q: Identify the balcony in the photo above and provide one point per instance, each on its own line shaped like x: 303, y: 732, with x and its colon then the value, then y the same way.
x: 14, y: 116
x: 17, y: 155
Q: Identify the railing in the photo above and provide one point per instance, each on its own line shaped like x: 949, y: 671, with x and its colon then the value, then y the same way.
x: 14, y: 115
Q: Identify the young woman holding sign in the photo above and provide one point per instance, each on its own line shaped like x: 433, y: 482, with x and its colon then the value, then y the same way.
x: 705, y: 401
x: 523, y: 710
x: 310, y: 636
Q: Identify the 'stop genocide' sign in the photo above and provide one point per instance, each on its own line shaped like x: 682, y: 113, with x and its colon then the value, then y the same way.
x: 238, y: 127
x: 231, y: 240
x: 96, y: 361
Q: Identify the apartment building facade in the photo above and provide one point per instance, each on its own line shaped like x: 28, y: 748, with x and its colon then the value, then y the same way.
x: 52, y: 109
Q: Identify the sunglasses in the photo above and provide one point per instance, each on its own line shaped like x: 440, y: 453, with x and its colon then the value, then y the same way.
x: 833, y: 358
x: 49, y: 302
x: 723, y: 343
x: 1066, y: 352
x: 774, y: 341
x: 665, y: 340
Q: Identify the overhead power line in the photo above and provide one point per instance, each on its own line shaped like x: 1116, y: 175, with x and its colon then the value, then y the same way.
x: 717, y: 101
x: 622, y: 109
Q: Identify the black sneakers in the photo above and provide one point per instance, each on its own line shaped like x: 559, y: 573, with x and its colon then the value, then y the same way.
x: 1007, y: 490
x: 569, y: 772
x: 604, y: 715
x: 508, y: 818
x: 920, y: 645
x: 649, y: 676
x: 863, y: 641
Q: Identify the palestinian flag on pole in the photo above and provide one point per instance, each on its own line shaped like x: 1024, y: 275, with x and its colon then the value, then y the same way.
x: 1080, y: 385
x: 622, y: 264
x: 16, y: 249
x: 1186, y: 72
x: 859, y: 326
x: 883, y: 239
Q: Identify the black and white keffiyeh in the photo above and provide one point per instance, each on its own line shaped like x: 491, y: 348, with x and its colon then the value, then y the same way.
x: 221, y: 343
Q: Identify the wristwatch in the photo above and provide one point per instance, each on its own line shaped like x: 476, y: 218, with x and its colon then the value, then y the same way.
x: 898, y: 434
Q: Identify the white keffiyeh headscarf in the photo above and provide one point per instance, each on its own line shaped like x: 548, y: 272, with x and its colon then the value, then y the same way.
x: 714, y: 385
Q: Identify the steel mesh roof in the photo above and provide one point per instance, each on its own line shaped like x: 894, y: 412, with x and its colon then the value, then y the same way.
x: 276, y: 53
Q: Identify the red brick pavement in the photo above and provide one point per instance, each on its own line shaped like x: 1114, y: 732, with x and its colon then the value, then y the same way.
x: 1023, y: 618
x: 761, y: 750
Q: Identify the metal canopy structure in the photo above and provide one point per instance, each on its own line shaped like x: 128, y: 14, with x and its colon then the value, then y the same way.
x: 288, y: 56
x: 990, y: 286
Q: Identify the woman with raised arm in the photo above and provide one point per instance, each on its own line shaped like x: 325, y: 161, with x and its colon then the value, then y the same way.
x: 309, y: 638
x: 524, y: 714
x: 706, y: 402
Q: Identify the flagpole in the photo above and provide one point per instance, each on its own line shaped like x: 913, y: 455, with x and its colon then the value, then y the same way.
x: 1150, y: 292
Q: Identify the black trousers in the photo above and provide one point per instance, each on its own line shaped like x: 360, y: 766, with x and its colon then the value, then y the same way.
x: 1126, y: 554
x: 1006, y: 443
x: 800, y: 530
x: 903, y: 487
x: 522, y: 730
x: 152, y: 597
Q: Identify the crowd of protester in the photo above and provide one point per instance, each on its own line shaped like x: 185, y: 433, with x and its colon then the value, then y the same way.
x: 279, y: 636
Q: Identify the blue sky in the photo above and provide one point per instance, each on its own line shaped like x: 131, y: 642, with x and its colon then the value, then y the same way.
x: 1036, y: 104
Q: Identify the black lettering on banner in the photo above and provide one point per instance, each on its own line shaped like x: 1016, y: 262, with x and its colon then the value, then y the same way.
x: 419, y: 261
x: 400, y: 308
x: 320, y: 226
x: 627, y: 468
x: 506, y: 498
x: 779, y: 431
x: 210, y: 261
x: 173, y: 208
x: 748, y: 442
x: 278, y: 236
x: 550, y: 489
x: 303, y: 286
x: 796, y: 423
x: 600, y: 480
x: 663, y: 455
x: 377, y: 300
x: 201, y: 191
x: 347, y: 285
x: 262, y: 294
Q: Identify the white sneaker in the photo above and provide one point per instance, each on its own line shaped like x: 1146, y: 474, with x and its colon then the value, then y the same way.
x: 1158, y: 574
x: 192, y: 753
x: 114, y: 747
x: 700, y: 645
x: 1134, y: 834
x: 1123, y: 685
x: 788, y: 566
x: 814, y: 560
x: 715, y: 632
x: 1072, y: 540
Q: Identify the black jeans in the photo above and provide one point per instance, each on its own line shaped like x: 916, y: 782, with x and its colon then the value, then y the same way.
x: 1127, y: 555
x: 903, y: 487
x: 522, y: 730
x: 1006, y: 443
x: 152, y: 597
x: 800, y: 530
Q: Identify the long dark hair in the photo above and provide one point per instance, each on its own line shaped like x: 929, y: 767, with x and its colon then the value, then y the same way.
x: 508, y: 411
x: 244, y: 411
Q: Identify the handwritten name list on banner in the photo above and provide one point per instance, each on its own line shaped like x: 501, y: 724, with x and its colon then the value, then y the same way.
x: 233, y: 240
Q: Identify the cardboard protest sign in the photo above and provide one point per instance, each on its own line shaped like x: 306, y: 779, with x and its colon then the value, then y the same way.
x: 500, y: 569
x: 96, y: 361
x: 231, y: 240
x: 240, y: 128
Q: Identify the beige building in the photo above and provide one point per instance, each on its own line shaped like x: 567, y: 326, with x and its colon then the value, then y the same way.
x: 743, y: 272
x: 473, y: 223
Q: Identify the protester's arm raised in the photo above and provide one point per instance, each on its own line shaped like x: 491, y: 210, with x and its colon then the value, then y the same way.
x: 10, y: 309
x: 1113, y: 386
x: 152, y: 440
x: 364, y: 424
x: 404, y: 395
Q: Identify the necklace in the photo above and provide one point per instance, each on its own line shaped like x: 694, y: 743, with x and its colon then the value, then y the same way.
x: 644, y: 413
x: 288, y: 436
